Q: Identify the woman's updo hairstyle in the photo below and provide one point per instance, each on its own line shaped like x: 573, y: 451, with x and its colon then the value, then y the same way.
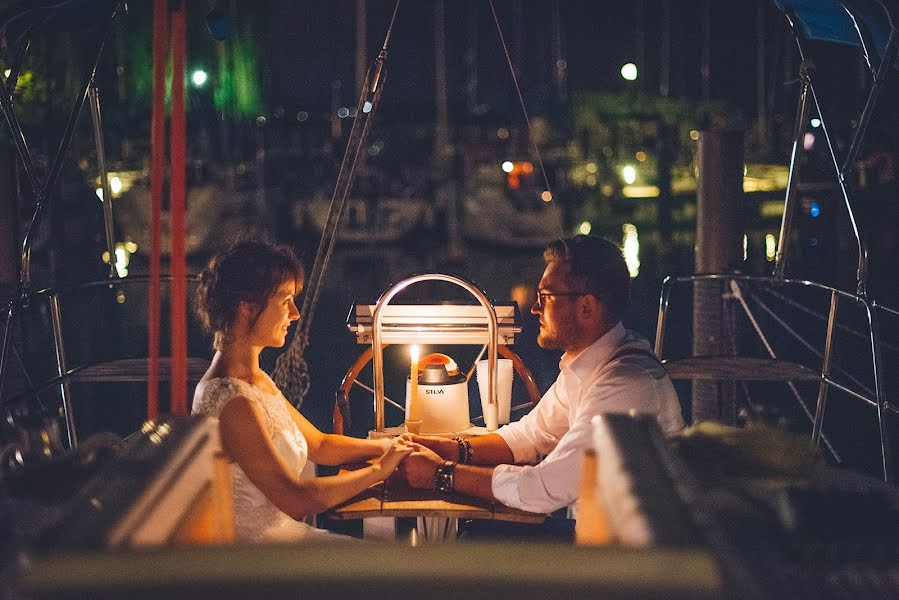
x: 249, y: 271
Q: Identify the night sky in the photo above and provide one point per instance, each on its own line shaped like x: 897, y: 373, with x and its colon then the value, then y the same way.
x: 309, y: 44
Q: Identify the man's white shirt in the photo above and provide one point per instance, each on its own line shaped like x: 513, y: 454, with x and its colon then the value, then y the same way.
x: 613, y: 375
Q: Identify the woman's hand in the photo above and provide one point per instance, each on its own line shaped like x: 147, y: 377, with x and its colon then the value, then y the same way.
x: 393, y: 456
x: 385, y: 443
x: 445, y: 448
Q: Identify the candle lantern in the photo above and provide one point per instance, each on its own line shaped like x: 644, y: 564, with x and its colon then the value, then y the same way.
x: 382, y: 323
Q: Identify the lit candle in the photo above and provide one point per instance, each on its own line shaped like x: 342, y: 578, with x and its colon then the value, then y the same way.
x: 413, y: 385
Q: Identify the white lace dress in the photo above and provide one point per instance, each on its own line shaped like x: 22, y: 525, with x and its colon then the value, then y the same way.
x: 256, y: 518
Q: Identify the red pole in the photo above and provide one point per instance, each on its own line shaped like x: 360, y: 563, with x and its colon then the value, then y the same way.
x: 157, y: 175
x: 176, y: 194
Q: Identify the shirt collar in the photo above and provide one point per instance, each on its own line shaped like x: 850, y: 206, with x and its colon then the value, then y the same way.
x: 597, y: 353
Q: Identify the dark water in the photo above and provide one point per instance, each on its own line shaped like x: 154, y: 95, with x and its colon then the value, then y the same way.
x: 98, y: 327
x: 102, y: 324
x: 361, y: 274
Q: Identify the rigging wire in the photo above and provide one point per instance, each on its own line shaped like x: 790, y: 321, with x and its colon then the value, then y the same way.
x: 524, y: 112
x: 291, y: 373
x: 396, y: 7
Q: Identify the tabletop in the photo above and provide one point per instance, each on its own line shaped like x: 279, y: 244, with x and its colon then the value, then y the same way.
x: 395, y: 498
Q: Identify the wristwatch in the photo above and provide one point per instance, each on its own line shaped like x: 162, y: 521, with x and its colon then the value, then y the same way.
x: 443, y: 477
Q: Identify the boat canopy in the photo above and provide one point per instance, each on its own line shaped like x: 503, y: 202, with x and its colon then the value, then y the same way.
x: 854, y: 22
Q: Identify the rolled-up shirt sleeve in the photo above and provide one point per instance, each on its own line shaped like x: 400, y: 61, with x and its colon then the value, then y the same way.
x: 550, y: 485
x: 537, y: 433
x: 554, y: 482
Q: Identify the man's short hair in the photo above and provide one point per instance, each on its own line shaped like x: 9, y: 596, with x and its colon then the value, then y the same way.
x: 597, y: 265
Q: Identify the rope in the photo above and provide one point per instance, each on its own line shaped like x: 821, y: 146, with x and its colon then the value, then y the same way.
x: 291, y: 372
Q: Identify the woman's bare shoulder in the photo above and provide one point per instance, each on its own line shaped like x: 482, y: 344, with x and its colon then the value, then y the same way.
x: 214, y: 393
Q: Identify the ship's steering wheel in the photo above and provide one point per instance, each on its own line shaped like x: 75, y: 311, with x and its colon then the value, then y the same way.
x: 341, y: 418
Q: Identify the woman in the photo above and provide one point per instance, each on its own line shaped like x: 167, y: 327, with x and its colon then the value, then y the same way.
x: 246, y: 300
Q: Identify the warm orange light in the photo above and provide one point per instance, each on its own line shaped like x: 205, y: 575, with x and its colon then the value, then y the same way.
x: 523, y: 295
x: 414, y: 353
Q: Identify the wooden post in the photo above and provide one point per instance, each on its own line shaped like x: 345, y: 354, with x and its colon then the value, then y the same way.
x: 719, y: 249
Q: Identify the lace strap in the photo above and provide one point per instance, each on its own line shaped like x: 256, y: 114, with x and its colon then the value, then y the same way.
x: 218, y: 392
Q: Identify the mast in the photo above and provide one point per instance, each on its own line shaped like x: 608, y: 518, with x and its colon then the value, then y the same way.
x: 361, y: 43
x: 471, y: 59
x: 665, y: 50
x: 441, y: 130
x: 560, y: 67
x: 640, y: 41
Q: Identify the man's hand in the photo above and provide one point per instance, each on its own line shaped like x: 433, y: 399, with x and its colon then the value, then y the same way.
x: 394, y: 455
x: 445, y: 448
x: 420, y: 467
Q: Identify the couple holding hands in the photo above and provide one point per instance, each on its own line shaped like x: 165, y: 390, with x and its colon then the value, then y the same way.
x: 246, y: 300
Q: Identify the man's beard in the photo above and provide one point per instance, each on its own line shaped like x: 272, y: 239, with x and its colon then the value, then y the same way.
x: 563, y: 335
x: 551, y: 341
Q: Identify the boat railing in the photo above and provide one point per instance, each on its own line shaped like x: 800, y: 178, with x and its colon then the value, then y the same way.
x: 873, y: 27
x: 108, y: 344
x: 718, y: 299
x: 788, y: 318
x: 24, y: 23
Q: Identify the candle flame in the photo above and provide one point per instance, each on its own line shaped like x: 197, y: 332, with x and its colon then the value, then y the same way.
x: 414, y: 352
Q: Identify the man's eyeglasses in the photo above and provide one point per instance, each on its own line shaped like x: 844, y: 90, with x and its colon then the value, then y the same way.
x: 542, y: 296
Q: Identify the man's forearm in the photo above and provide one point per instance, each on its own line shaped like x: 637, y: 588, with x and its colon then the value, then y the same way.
x: 474, y: 481
x: 491, y: 450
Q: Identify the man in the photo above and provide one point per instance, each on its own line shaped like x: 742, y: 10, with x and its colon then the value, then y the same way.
x: 581, y: 299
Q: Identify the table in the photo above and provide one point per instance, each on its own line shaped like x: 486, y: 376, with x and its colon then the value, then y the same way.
x: 437, y: 514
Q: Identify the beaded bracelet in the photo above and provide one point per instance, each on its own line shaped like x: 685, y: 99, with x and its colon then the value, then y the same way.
x: 458, y: 441
x: 469, y: 452
x: 466, y: 454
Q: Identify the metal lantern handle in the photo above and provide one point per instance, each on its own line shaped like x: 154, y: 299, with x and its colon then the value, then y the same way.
x: 378, y: 352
